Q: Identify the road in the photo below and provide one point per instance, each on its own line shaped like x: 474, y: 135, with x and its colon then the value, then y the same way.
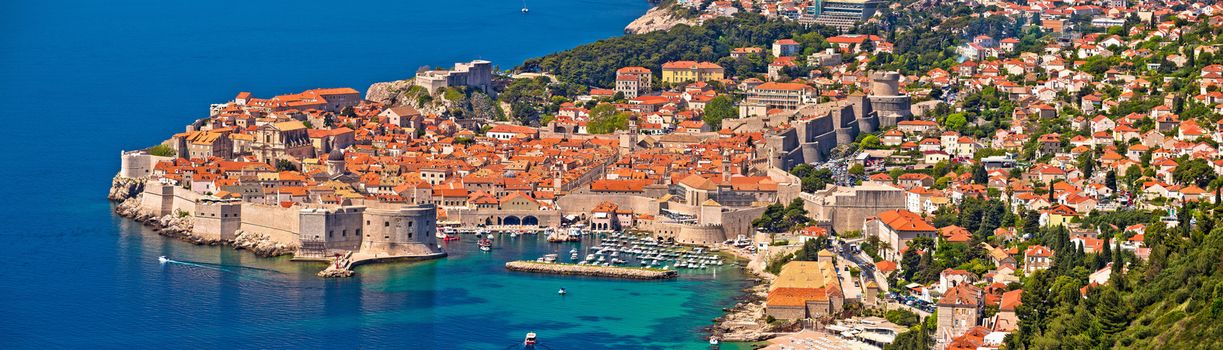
x: 864, y: 263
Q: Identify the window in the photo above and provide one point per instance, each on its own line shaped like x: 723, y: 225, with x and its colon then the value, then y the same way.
x: 386, y: 224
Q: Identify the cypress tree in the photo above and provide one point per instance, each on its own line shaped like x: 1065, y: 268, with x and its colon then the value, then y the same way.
x: 1106, y: 252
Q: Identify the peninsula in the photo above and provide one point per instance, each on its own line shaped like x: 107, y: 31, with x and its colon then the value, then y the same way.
x: 900, y: 175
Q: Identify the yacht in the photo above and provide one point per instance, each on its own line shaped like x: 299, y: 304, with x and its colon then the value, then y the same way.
x: 163, y: 259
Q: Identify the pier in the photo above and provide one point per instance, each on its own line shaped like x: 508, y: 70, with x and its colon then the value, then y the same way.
x: 590, y: 270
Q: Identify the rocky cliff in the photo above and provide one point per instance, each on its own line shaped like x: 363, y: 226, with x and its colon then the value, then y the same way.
x: 122, y: 188
x: 401, y: 93
x: 657, y: 18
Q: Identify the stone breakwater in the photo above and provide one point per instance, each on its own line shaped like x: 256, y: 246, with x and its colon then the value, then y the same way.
x: 589, y: 270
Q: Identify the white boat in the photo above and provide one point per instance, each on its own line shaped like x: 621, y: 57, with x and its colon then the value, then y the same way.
x: 562, y: 291
x: 163, y: 259
x: 713, y: 340
x: 529, y: 340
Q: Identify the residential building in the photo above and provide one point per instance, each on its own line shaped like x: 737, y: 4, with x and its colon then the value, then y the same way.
x: 681, y: 71
x: 633, y: 81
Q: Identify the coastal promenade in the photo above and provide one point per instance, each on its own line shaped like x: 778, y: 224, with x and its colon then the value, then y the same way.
x: 590, y: 270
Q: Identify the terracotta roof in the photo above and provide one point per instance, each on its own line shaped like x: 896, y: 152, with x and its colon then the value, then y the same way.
x: 904, y: 220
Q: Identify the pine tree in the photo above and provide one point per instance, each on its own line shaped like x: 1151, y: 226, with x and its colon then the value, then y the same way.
x: 1112, y: 313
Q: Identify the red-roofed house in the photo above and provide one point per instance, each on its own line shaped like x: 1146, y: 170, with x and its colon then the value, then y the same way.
x: 896, y: 228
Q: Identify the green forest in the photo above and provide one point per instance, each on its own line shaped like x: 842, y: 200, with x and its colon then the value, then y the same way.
x: 593, y: 64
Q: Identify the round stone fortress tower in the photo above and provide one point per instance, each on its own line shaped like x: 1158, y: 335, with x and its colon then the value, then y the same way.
x: 887, y: 101
x: 403, y: 231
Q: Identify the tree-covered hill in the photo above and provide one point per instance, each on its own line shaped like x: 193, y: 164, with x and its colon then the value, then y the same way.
x: 595, y: 64
x: 1174, y: 300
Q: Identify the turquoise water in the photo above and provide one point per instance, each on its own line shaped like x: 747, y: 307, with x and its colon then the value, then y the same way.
x: 468, y: 300
x: 82, y: 80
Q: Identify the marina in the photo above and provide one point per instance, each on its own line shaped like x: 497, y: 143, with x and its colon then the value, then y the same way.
x: 602, y: 249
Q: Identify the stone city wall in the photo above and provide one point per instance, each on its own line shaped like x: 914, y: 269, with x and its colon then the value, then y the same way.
x: 580, y: 204
x: 278, y: 223
x: 138, y: 164
x: 339, y: 227
x: 217, y: 220
x: 161, y: 199
x: 689, y: 234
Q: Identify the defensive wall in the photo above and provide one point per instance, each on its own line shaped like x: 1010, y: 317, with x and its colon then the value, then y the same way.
x: 846, y: 208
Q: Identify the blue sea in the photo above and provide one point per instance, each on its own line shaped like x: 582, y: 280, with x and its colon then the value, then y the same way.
x: 82, y: 80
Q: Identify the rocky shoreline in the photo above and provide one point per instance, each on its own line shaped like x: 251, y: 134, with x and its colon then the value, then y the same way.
x: 657, y: 18
x: 746, y: 321
x: 589, y: 270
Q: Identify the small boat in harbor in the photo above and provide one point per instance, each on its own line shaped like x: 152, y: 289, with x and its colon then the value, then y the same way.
x: 562, y: 292
x: 486, y: 244
x: 529, y: 340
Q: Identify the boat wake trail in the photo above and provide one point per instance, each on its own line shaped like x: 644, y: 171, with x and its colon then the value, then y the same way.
x: 188, y: 263
x: 217, y: 267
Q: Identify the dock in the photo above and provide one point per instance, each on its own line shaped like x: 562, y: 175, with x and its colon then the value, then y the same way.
x: 637, y: 273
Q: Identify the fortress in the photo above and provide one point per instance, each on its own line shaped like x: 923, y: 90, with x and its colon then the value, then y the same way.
x: 820, y: 128
x: 815, y: 129
x: 315, y: 231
